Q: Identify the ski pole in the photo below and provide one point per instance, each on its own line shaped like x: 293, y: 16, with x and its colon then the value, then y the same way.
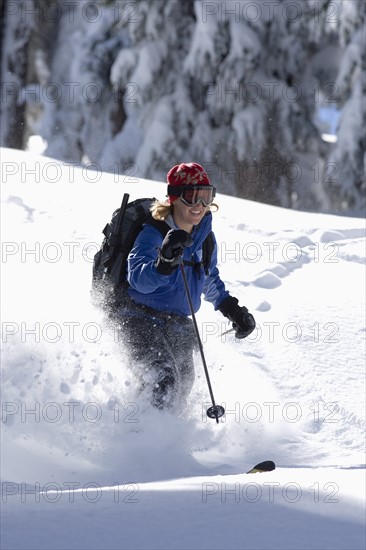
x: 216, y: 411
x: 227, y: 332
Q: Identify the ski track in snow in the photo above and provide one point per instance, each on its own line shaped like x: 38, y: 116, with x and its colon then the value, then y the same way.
x: 331, y: 414
x: 70, y: 403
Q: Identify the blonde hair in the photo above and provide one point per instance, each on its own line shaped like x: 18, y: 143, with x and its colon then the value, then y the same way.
x: 160, y: 210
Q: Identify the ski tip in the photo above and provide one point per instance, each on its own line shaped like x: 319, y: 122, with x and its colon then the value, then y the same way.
x: 266, y: 466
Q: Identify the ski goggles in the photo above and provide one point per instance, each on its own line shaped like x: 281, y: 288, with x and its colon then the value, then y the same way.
x: 191, y: 195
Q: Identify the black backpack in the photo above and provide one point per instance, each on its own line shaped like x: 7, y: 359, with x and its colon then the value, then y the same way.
x: 110, y: 262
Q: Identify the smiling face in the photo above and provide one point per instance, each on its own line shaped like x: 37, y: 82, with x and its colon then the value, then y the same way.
x: 186, y: 217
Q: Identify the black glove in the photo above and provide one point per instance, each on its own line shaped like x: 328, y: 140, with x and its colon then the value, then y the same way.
x: 243, y: 321
x: 171, y: 250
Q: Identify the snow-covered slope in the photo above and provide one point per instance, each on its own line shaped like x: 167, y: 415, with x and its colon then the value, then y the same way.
x: 85, y: 463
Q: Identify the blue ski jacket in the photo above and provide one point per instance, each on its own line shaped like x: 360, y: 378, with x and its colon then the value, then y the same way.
x: 167, y: 292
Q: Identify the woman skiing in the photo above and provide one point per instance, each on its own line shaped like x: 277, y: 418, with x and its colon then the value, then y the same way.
x: 154, y: 318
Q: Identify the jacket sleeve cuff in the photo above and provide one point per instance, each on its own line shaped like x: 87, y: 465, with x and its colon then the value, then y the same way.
x: 228, y: 306
x: 165, y: 267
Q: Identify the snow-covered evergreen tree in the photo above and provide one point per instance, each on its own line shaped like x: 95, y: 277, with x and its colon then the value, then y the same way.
x: 347, y: 187
x: 156, y: 90
x: 83, y: 112
x: 16, y: 26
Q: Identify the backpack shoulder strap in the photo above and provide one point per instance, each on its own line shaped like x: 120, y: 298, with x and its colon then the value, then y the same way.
x: 161, y: 225
x: 207, y: 250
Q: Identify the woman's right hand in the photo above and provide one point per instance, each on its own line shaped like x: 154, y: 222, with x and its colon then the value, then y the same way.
x: 173, y: 245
